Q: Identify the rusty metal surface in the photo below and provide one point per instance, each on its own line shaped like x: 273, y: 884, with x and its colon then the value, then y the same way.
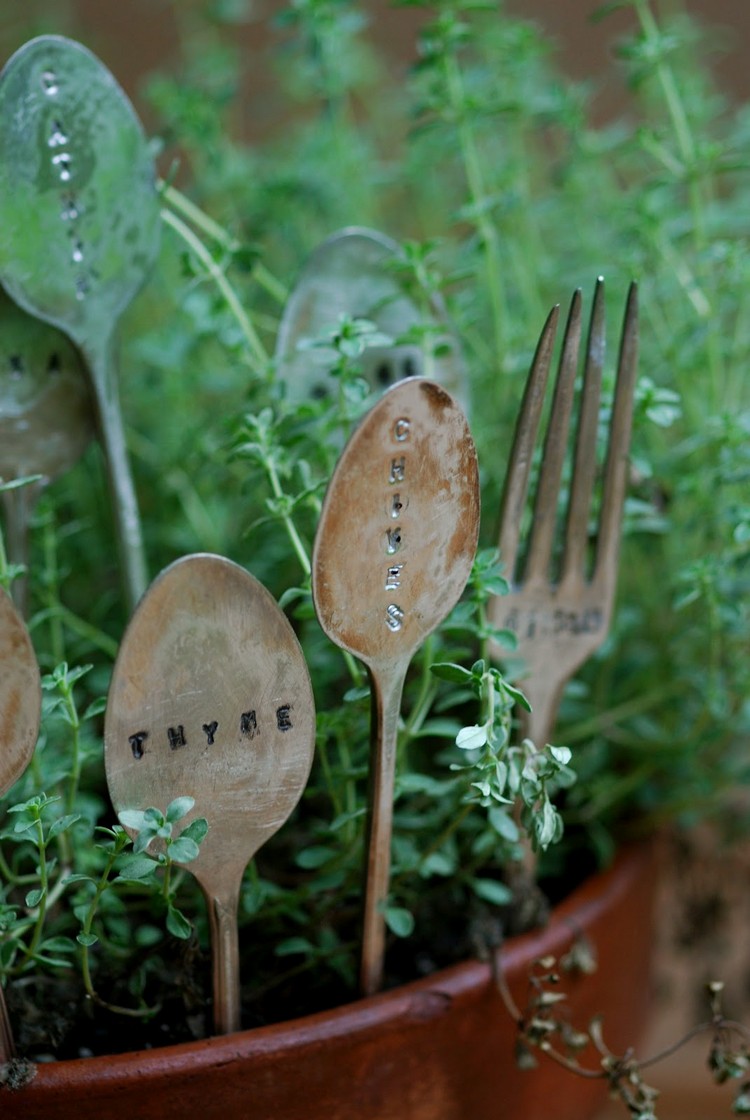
x: 77, y: 192
x: 20, y: 695
x: 561, y: 599
x: 20, y: 714
x: 394, y: 549
x: 351, y: 273
x: 211, y: 698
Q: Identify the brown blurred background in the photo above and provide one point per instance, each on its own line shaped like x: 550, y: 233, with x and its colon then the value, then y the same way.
x: 134, y: 37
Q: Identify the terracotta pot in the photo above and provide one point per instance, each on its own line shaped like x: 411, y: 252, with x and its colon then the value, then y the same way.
x: 441, y: 1048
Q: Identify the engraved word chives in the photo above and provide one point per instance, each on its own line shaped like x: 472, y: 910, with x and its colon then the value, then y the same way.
x: 394, y: 536
x: 175, y: 737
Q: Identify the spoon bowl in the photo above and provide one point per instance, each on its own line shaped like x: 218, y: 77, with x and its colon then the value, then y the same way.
x: 211, y: 698
x: 352, y: 273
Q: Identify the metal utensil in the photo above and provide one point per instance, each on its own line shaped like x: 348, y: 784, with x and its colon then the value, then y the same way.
x: 560, y: 620
x: 20, y: 714
x: 211, y: 698
x: 46, y: 418
x: 351, y: 273
x: 79, y: 227
x: 393, y: 551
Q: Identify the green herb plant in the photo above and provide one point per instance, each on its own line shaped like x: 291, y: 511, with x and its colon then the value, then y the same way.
x: 484, y: 162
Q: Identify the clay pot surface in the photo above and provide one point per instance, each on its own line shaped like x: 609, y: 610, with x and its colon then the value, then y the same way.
x: 440, y: 1048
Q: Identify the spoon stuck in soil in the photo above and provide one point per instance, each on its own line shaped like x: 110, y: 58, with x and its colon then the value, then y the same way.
x: 79, y: 227
x: 20, y: 714
x: 46, y: 419
x: 352, y: 273
x: 211, y: 698
x: 394, y: 549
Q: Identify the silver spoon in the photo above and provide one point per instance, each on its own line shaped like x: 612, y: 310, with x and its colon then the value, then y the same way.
x: 211, y: 698
x: 20, y: 714
x: 46, y: 418
x: 351, y: 273
x: 79, y: 227
x: 394, y: 549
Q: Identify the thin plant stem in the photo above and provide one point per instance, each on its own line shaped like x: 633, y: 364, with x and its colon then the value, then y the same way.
x: 259, y: 357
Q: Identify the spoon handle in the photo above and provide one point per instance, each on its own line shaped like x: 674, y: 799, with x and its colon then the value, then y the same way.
x: 225, y: 950
x: 387, y: 686
x: 7, y: 1044
x: 18, y: 505
x: 127, y: 518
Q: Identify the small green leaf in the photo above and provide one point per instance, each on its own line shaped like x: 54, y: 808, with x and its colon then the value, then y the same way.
x: 399, y: 921
x: 471, y: 738
x: 448, y: 671
x: 95, y: 708
x: 177, y: 924
x: 183, y: 850
x: 87, y: 939
x: 141, y: 867
x: 179, y: 808
x: 493, y: 891
x: 132, y: 818
x: 197, y: 830
x: 33, y: 898
x: 293, y: 945
x: 62, y: 824
x: 313, y: 857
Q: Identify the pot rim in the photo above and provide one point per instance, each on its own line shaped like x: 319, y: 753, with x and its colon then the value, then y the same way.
x: 424, y: 998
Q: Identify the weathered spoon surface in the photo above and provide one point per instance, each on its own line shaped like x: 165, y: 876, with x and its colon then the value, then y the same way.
x: 79, y: 226
x: 20, y: 714
x: 211, y: 698
x: 394, y: 549
x: 46, y: 417
x: 351, y: 273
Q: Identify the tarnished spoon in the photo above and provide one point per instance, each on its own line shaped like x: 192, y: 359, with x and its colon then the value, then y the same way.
x: 211, y: 699
x: 46, y: 418
x: 393, y: 551
x: 351, y: 273
x: 79, y: 227
x: 20, y: 714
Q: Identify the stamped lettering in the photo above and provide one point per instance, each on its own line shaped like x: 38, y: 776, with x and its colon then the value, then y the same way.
x: 398, y: 469
x: 532, y: 625
x: 394, y: 617
x: 393, y: 577
x: 176, y: 736
x: 249, y: 724
x: 284, y: 717
x: 209, y: 730
x: 136, y: 743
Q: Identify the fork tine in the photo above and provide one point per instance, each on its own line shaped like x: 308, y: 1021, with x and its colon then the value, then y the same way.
x: 615, y: 472
x: 524, y: 438
x: 584, y: 467
x: 555, y: 443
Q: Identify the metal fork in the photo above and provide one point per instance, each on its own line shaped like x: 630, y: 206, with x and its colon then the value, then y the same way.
x: 561, y: 616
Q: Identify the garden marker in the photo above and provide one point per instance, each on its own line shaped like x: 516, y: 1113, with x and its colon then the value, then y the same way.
x: 352, y: 274
x: 392, y: 555
x: 211, y: 699
x: 79, y: 227
x: 20, y: 715
x: 46, y: 419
